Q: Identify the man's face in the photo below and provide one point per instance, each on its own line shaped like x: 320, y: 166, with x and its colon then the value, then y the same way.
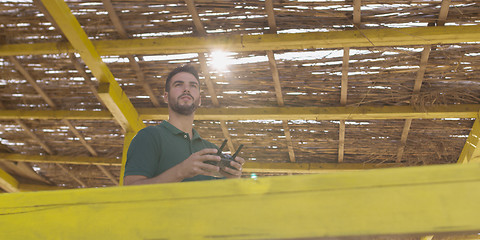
x: 184, y: 95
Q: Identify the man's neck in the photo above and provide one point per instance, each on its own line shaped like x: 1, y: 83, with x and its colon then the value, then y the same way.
x: 182, y: 122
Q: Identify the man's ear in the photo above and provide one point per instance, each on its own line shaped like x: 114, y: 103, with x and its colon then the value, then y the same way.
x: 165, y: 97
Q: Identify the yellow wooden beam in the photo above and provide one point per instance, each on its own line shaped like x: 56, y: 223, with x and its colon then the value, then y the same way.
x: 266, y: 113
x: 336, y: 39
x: 471, y: 149
x: 250, y: 166
x: 113, y: 96
x: 8, y: 182
x: 126, y: 144
x: 120, y: 107
x: 414, y: 201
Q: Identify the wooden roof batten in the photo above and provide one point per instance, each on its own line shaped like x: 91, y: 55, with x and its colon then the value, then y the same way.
x: 200, y: 29
x: 59, y: 12
x: 138, y: 71
x: 344, y: 81
x: 77, y: 134
x: 276, y: 78
x: 419, y: 78
x: 109, y: 90
x: 49, y: 101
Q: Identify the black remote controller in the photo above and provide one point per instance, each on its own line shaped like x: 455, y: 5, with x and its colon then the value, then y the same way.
x: 226, y: 159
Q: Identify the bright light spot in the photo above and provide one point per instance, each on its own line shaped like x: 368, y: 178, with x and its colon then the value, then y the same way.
x: 253, y: 175
x: 379, y: 87
x: 459, y: 136
x: 451, y: 119
x: 220, y: 60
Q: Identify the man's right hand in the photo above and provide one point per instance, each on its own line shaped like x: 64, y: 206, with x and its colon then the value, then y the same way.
x: 195, y: 164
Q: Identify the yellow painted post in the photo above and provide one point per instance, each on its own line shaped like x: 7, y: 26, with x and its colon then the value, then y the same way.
x: 471, y: 149
x: 126, y: 143
x: 8, y: 182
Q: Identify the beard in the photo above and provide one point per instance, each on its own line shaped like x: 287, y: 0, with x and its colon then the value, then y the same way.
x: 186, y: 110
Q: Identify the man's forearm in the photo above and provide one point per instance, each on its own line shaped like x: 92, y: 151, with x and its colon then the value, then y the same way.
x: 169, y: 176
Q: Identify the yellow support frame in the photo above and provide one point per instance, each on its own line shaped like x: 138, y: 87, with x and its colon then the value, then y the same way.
x: 471, y: 149
x: 8, y: 182
x: 239, y: 43
x: 110, y: 91
x: 416, y: 201
x: 267, y: 113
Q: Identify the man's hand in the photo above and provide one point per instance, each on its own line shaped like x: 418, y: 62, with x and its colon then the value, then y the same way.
x: 234, y: 173
x: 194, y: 165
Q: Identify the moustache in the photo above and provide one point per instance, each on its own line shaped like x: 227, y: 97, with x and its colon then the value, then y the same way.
x: 186, y: 94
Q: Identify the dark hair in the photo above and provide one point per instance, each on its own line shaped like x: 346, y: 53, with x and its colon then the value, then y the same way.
x: 184, y: 68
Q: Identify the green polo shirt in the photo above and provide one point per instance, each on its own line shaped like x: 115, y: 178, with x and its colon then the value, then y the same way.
x: 156, y: 149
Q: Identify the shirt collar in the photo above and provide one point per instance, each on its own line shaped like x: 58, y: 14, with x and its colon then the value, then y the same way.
x: 174, y: 130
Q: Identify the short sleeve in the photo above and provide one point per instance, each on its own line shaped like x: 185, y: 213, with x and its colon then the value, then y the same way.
x: 143, y: 154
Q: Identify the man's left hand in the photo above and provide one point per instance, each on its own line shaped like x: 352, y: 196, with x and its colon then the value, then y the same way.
x: 234, y: 173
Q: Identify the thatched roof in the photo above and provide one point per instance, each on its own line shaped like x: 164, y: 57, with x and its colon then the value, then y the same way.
x: 54, y: 77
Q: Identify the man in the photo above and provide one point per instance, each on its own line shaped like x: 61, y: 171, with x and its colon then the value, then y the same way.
x: 173, y: 151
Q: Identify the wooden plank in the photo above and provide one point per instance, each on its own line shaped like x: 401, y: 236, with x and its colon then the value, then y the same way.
x: 245, y: 43
x: 417, y: 200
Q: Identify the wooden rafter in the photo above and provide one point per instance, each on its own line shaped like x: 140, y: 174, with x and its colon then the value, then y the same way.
x: 246, y: 43
x: 416, y: 90
x: 109, y: 90
x: 136, y: 67
x: 344, y: 81
x: 276, y: 78
x: 343, y: 102
x: 47, y: 99
x: 357, y: 12
x: 206, y: 73
x: 419, y: 79
x: 69, y: 173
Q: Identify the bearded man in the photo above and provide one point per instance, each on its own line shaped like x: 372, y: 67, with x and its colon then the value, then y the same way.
x: 173, y: 151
